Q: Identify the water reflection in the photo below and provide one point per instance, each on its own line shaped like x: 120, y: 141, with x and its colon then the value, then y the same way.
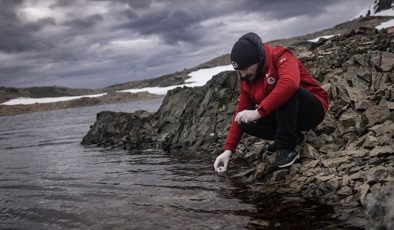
x: 49, y: 181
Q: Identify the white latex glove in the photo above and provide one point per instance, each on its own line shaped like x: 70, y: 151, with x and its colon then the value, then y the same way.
x: 247, y: 116
x: 222, y: 158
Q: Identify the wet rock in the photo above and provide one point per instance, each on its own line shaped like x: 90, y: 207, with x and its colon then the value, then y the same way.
x: 261, y: 169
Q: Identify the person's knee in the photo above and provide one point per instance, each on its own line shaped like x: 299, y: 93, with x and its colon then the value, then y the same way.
x: 243, y: 126
x: 248, y: 127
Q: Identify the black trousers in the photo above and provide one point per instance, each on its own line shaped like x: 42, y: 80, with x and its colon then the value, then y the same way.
x: 302, y: 112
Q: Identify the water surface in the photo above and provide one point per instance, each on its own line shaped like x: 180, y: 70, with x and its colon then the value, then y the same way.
x: 49, y: 181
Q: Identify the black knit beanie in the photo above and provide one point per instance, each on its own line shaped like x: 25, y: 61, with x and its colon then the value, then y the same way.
x: 244, y: 54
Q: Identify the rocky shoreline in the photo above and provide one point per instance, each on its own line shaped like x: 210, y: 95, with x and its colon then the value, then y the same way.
x: 347, y: 161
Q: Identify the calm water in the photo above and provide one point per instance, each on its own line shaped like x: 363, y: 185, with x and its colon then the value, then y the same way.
x: 49, y: 181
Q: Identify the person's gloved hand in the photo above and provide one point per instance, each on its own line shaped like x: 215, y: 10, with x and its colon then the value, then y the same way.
x: 247, y: 116
x: 222, y: 158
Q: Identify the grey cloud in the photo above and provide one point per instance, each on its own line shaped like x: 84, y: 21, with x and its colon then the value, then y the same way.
x: 178, y: 25
x: 17, y: 36
x: 84, y: 23
x: 287, y: 8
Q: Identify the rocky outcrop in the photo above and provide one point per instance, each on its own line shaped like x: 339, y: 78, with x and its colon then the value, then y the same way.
x: 189, y: 119
x: 345, y: 159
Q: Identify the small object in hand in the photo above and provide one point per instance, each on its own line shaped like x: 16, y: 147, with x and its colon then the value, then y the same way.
x: 220, y: 169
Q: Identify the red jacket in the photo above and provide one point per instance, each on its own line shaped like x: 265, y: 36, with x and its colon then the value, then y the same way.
x: 283, y: 76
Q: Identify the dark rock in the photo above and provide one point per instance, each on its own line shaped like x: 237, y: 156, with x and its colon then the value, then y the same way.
x: 205, y: 110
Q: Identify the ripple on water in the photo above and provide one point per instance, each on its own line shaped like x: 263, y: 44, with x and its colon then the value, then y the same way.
x: 48, y: 181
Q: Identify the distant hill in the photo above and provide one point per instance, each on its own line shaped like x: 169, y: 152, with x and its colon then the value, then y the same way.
x: 176, y: 78
x: 8, y: 93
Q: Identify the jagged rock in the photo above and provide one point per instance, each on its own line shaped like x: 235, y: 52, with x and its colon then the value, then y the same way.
x: 370, y: 142
x: 333, y: 184
x: 379, y: 151
x: 279, y: 175
x: 363, y: 105
x: 345, y: 191
x: 348, y: 120
x: 377, y: 174
x: 323, y: 178
x: 309, y: 152
x: 362, y: 192
x: 387, y: 63
x: 332, y: 163
x: 375, y: 115
x: 329, y: 148
x: 386, y: 128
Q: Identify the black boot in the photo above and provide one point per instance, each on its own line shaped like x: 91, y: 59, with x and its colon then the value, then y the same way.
x: 301, y: 140
x: 285, y: 158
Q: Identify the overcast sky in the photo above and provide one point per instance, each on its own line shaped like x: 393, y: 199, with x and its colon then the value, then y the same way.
x: 93, y: 44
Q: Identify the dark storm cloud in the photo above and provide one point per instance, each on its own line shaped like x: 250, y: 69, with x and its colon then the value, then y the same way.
x: 177, y: 20
x: 172, y: 25
x: 17, y: 36
x: 84, y: 23
x: 134, y: 4
x: 288, y: 8
x: 89, y: 40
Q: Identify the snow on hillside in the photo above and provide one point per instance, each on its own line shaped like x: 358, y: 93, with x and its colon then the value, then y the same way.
x: 29, y: 101
x: 198, y: 78
x: 371, y: 11
x: 387, y: 24
x: 325, y: 36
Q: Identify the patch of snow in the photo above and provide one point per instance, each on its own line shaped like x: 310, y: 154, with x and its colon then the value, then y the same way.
x: 325, y: 36
x: 389, y: 12
x: 154, y: 90
x: 198, y: 78
x: 29, y: 101
x: 371, y: 9
x: 387, y: 24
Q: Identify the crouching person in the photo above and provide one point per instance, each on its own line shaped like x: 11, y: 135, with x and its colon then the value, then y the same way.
x: 278, y: 99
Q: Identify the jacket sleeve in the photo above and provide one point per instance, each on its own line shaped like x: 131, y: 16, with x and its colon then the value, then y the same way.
x: 287, y: 85
x: 234, y: 135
